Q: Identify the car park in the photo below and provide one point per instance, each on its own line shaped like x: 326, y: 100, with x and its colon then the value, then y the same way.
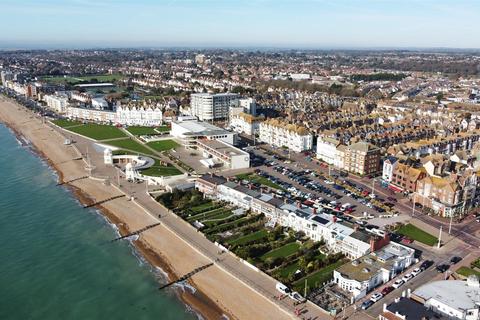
x: 398, y: 283
x: 376, y: 296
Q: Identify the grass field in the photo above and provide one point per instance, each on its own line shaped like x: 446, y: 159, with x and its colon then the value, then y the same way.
x: 157, y: 170
x: 284, y: 251
x: 98, y: 131
x: 141, y: 131
x: 163, y: 145
x: 163, y: 129
x: 64, y: 123
x: 249, y: 238
x: 252, y: 177
x: 131, y: 145
x: 74, y: 79
x: 466, y: 271
x: 417, y: 234
x: 203, y: 207
x: 317, y: 278
x: 284, y: 272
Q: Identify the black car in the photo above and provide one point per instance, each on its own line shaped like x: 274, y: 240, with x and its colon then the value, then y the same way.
x: 455, y: 260
x: 426, y: 264
x: 441, y: 268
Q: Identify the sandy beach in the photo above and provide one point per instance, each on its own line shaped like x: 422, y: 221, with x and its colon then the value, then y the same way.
x: 218, y: 293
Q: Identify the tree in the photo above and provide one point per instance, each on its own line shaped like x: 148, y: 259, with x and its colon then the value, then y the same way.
x: 439, y: 97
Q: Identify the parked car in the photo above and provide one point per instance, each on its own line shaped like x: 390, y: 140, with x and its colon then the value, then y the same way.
x: 366, y: 304
x: 441, y: 268
x: 407, y: 277
x: 455, y: 259
x: 426, y: 264
x: 387, y: 290
x: 282, y: 288
x: 297, y: 297
x: 376, y: 296
x: 416, y: 271
x: 398, y: 283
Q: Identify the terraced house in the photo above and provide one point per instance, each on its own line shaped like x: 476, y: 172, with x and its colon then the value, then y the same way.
x: 280, y: 134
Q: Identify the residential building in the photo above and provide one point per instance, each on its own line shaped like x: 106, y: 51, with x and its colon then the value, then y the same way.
x: 245, y: 123
x: 364, y: 274
x: 140, y: 115
x: 327, y: 149
x: 57, y: 102
x: 455, y: 299
x: 99, y: 103
x: 89, y: 114
x: 362, y: 158
x: 208, y: 184
x: 248, y: 105
x: 280, y: 134
x: 389, y: 164
x: 208, y: 107
x: 405, y: 177
x: 5, y: 76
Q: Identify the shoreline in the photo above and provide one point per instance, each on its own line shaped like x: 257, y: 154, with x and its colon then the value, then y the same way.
x: 198, y: 302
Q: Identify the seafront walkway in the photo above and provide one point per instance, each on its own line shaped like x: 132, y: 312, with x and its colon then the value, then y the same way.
x: 256, y: 280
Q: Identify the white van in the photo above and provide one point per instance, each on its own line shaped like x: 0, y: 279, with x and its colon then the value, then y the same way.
x: 283, y: 288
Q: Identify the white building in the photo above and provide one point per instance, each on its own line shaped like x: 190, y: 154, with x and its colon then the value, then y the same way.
x: 139, y: 115
x: 189, y: 131
x: 99, y: 103
x: 388, y: 166
x: 57, y: 102
x: 248, y: 105
x: 81, y: 97
x: 327, y: 149
x: 206, y: 106
x: 364, y: 274
x: 236, y: 194
x: 89, y: 114
x: 221, y: 154
x: 453, y: 298
x: 5, y: 76
x: 245, y: 123
x: 281, y: 134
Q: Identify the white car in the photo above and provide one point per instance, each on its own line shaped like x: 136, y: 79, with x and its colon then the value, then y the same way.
x: 398, y: 283
x: 376, y: 296
x: 407, y: 277
x: 416, y: 272
x: 282, y: 288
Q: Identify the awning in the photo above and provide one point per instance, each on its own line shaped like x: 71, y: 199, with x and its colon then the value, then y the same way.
x: 395, y: 188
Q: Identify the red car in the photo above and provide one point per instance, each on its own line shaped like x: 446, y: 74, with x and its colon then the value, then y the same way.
x: 387, y: 290
x: 406, y: 240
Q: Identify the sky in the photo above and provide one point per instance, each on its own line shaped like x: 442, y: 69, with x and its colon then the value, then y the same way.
x: 320, y: 24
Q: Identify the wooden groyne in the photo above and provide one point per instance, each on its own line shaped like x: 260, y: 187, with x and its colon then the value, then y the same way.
x: 185, y: 277
x: 103, y: 201
x: 72, y: 180
x: 136, y: 232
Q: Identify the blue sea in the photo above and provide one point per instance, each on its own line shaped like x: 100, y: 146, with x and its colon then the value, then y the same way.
x: 56, y: 261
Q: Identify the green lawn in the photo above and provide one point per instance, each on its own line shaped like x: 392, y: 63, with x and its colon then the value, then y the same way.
x: 284, y: 251
x: 204, y: 206
x: 252, y: 177
x: 417, y: 234
x: 74, y: 79
x: 249, y: 238
x: 98, y: 131
x: 132, y: 145
x: 161, y: 171
x: 206, y: 214
x: 317, y: 278
x: 141, y: 131
x: 163, y: 129
x: 64, y: 123
x: 465, y: 271
x: 285, y: 271
x: 163, y: 145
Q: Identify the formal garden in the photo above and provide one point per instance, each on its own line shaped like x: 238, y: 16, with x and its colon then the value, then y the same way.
x: 282, y: 253
x: 147, y: 131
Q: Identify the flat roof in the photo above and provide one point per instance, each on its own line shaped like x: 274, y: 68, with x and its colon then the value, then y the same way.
x: 197, y: 127
x: 412, y: 310
x: 457, y: 294
x: 221, y: 147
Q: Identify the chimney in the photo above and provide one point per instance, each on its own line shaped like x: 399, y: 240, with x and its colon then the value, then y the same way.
x: 409, y: 292
x: 299, y: 204
x: 314, y: 210
x: 384, y: 307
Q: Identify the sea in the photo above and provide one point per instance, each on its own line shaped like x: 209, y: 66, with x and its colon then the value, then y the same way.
x: 56, y: 258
